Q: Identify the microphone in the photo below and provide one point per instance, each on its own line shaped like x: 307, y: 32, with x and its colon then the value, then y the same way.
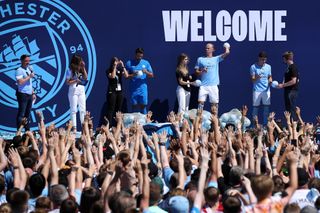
x: 30, y: 68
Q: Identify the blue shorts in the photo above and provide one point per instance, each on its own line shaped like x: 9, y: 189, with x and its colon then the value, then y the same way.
x: 138, y: 98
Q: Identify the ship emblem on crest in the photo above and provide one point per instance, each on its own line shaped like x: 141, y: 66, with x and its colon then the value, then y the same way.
x: 49, y: 31
x: 10, y: 61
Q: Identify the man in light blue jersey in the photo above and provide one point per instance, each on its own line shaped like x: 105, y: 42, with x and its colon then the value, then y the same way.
x: 207, y: 68
x: 25, y: 95
x: 139, y: 70
x: 261, y: 78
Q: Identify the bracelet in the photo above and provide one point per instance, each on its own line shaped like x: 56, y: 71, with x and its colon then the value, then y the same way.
x: 16, y: 167
x: 162, y: 144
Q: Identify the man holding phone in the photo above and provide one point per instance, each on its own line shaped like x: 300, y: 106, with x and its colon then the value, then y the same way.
x: 139, y: 70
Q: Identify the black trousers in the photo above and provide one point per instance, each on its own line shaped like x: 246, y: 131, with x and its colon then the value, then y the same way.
x: 290, y: 101
x: 25, y: 104
x: 114, y: 100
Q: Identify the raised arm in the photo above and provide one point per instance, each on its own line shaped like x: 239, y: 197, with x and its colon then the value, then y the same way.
x: 182, y: 172
x: 54, y: 165
x: 3, y: 160
x: 146, y: 183
x: 293, y: 164
x: 202, y: 179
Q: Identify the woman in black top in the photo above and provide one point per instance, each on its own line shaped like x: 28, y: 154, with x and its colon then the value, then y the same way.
x: 184, y: 82
x: 114, y: 95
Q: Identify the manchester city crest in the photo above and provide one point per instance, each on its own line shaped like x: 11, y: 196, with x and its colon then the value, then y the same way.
x: 49, y: 32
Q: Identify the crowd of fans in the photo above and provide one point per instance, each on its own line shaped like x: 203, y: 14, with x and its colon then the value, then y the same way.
x: 272, y: 168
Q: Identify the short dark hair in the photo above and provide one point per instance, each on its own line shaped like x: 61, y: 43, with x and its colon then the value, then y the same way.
x: 291, y: 208
x: 69, y: 206
x: 43, y: 203
x: 37, y: 182
x: 121, y: 201
x: 231, y: 205
x: 211, y: 195
x: 19, y: 201
x: 155, y: 193
x: 88, y: 197
x: 2, y: 184
x: 24, y: 56
x: 262, y: 54
x: 139, y: 50
x: 288, y: 55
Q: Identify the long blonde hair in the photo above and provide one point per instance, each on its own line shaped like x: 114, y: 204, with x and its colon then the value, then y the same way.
x: 181, y: 67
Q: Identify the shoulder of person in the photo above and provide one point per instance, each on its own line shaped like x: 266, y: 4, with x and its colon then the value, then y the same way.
x: 20, y: 69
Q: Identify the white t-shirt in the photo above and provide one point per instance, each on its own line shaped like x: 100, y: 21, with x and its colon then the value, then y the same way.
x: 302, y: 198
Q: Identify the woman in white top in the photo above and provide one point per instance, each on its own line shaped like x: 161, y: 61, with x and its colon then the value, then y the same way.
x: 77, y: 79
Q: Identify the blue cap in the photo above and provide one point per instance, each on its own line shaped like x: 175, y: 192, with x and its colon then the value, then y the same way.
x: 179, y: 204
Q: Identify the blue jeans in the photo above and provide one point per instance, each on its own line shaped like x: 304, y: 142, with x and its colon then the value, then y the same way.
x: 255, y: 112
x: 25, y: 104
x: 290, y: 101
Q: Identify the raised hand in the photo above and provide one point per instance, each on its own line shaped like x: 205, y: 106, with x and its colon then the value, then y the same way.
x: 293, y: 157
x: 298, y: 111
x: 171, y: 117
x: 62, y: 132
x: 39, y: 115
x: 271, y: 116
x: 155, y: 137
x: 214, y: 109
x: 14, y: 157
x: 244, y: 110
x: 204, y: 156
x: 24, y: 121
x: 29, y: 134
x: 149, y: 117
x: 119, y: 116
x: 287, y: 115
x: 163, y: 137
x: 87, y: 117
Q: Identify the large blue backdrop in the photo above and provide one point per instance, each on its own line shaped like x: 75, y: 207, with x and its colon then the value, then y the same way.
x: 51, y: 31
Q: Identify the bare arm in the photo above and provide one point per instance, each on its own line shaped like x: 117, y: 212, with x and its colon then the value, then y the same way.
x: 3, y: 160
x: 293, y: 162
x: 204, y: 167
x: 146, y: 182
x: 54, y: 166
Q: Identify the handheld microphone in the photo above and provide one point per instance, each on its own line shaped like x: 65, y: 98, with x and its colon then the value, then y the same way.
x: 30, y: 68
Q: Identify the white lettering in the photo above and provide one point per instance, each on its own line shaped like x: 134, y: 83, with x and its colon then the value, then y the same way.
x: 176, y: 26
x: 254, y: 25
x: 279, y: 25
x: 207, y: 27
x: 260, y: 26
x: 239, y: 25
x: 196, y: 25
x: 223, y: 27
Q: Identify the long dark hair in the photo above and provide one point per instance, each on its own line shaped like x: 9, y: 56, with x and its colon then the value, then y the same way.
x: 75, y: 63
x: 180, y: 67
x: 113, y: 59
